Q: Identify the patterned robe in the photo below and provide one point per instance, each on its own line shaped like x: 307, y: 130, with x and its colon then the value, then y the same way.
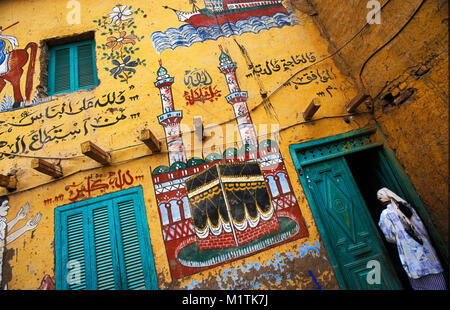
x: 417, y: 260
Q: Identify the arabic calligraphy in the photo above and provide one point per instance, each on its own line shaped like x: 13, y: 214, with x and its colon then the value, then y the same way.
x: 66, y: 130
x: 61, y: 109
x: 196, y: 78
x: 328, y: 90
x: 57, y: 198
x: 202, y: 94
x: 284, y: 64
x: 115, y: 180
x: 318, y: 76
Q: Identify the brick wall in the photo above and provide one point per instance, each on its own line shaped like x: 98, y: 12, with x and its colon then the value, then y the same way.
x: 415, y: 61
x: 262, y: 229
x: 226, y: 240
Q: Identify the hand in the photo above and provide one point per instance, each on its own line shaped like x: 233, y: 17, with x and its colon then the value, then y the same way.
x: 33, y: 222
x: 23, y: 212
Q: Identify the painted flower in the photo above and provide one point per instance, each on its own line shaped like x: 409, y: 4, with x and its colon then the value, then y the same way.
x: 116, y: 43
x: 127, y: 65
x: 120, y: 14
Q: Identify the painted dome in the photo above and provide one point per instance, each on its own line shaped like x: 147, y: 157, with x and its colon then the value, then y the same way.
x: 224, y: 57
x: 161, y: 71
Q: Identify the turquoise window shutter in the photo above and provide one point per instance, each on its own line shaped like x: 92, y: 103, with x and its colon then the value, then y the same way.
x: 62, y: 70
x: 75, y: 250
x: 108, y: 240
x: 132, y: 258
x: 85, y: 65
x: 72, y: 67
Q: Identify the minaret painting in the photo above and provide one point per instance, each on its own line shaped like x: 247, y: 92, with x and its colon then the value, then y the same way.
x: 238, y: 100
x: 170, y: 119
x: 217, y: 209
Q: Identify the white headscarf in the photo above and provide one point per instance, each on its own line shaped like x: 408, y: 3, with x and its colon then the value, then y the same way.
x: 386, y: 195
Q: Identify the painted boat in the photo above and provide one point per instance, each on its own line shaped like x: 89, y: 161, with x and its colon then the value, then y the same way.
x: 219, y: 12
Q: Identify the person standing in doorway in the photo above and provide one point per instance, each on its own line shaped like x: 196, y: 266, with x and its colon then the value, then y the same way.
x: 401, y: 225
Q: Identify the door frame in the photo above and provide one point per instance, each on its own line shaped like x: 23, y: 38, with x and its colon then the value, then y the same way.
x: 320, y: 150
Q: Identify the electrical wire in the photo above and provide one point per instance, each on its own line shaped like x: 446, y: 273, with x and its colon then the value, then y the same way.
x: 231, y: 119
x: 383, y: 46
x: 311, y: 65
x: 332, y: 54
x: 391, y: 39
x: 65, y: 176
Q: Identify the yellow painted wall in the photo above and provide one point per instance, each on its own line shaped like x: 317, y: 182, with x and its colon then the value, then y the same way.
x: 32, y: 256
x: 417, y: 59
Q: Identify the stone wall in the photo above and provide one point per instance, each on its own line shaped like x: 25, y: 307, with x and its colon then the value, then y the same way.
x: 403, y: 64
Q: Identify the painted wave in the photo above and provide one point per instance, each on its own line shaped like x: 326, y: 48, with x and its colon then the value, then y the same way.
x: 186, y: 35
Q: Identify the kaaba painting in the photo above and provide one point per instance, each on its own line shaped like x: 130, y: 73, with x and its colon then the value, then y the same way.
x: 224, y: 206
x: 209, y: 211
x: 215, y: 211
x: 226, y: 200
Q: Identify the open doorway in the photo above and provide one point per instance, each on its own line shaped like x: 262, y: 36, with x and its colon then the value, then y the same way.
x: 347, y: 170
x: 366, y: 168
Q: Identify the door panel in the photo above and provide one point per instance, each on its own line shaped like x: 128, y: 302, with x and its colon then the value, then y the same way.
x: 350, y: 234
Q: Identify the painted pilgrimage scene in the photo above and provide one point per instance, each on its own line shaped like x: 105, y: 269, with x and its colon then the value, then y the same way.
x: 228, y: 145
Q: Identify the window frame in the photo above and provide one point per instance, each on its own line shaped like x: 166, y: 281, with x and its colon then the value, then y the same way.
x: 74, y: 74
x: 86, y: 208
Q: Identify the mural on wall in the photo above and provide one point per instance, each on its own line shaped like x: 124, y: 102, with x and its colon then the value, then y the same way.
x: 12, y: 63
x: 61, y: 122
x: 223, y: 18
x: 225, y: 206
x: 95, y: 184
x: 47, y: 284
x: 6, y: 235
x: 271, y: 66
x: 279, y: 271
x: 121, y: 41
x: 199, y: 87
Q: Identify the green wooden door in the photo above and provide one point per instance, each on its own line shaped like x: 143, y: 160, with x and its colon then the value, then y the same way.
x: 351, y: 238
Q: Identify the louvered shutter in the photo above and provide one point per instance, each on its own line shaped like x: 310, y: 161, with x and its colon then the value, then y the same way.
x: 72, y: 67
x: 72, y: 250
x: 61, y: 74
x: 108, y: 236
x: 85, y: 65
x: 134, y: 274
x: 106, y: 267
